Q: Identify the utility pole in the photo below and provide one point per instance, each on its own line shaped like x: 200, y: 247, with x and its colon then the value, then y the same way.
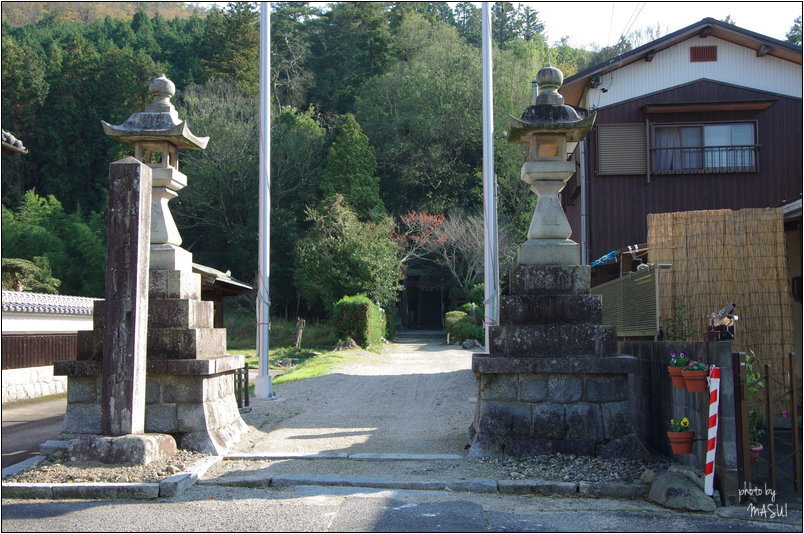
x: 263, y: 388
x: 491, y: 254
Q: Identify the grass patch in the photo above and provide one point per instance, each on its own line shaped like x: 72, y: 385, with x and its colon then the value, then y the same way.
x: 318, y: 365
x: 241, y: 331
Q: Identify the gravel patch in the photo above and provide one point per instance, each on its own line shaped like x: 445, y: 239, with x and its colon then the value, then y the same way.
x: 571, y: 468
x: 59, y: 470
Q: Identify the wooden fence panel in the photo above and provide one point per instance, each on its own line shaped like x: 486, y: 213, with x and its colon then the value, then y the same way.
x: 22, y: 350
x: 724, y: 256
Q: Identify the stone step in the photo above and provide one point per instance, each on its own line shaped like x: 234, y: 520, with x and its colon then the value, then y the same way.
x: 552, y: 340
x: 550, y: 280
x: 546, y: 309
x: 163, y: 343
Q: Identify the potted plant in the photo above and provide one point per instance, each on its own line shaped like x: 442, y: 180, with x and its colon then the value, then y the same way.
x: 753, y: 382
x: 677, y: 363
x: 680, y: 436
x: 755, y: 434
x: 695, y: 374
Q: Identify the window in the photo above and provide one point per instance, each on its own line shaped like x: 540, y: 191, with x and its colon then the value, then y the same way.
x: 704, y: 148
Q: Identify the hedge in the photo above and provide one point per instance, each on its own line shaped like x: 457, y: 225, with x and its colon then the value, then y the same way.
x: 360, y: 319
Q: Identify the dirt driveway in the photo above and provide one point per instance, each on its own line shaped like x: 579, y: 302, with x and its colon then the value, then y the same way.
x: 417, y: 397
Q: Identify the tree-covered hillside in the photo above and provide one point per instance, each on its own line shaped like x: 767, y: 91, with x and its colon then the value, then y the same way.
x: 377, y: 102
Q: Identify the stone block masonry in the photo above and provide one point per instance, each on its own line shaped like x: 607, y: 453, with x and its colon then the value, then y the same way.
x: 553, y: 381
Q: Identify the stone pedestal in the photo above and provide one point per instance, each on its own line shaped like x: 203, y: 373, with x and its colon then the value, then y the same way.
x: 189, y: 390
x: 553, y: 381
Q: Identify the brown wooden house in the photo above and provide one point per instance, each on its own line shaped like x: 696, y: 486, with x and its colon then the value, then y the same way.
x: 707, y: 117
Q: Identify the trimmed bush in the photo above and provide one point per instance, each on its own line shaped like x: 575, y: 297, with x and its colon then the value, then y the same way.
x: 477, y: 316
x: 390, y: 322
x: 477, y: 294
x: 360, y: 319
x: 466, y: 329
x: 450, y: 318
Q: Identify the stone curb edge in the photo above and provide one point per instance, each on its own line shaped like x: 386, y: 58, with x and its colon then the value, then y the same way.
x: 169, y: 487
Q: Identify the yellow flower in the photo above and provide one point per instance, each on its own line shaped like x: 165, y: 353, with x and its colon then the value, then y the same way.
x: 672, y: 421
x: 685, y: 422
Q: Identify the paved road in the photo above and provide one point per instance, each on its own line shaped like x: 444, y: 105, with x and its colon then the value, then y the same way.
x: 27, y: 424
x: 317, y: 509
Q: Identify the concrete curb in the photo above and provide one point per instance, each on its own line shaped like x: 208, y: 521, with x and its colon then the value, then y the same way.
x: 169, y: 487
x: 341, y: 456
x: 175, y: 484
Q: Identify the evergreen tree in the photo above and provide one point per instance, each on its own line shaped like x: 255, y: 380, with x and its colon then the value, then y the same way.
x: 352, y: 170
x: 794, y: 35
x: 234, y: 38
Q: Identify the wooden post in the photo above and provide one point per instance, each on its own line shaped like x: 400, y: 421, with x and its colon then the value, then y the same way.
x: 124, y: 342
x: 744, y: 449
x: 769, y: 421
x: 794, y: 425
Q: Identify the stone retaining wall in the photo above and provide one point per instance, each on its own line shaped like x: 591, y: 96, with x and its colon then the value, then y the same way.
x: 31, y: 383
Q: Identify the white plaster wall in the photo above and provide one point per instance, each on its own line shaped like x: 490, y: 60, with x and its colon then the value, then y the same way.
x: 736, y: 65
x: 31, y: 383
x: 36, y: 322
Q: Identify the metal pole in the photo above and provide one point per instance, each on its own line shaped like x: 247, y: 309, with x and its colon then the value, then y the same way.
x: 262, y: 387
x: 492, y: 279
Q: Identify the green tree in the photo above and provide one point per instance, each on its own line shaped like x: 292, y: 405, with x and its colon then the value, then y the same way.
x: 291, y: 77
x: 342, y: 256
x: 528, y: 22
x: 33, y: 276
x: 468, y: 21
x: 352, y: 43
x: 422, y: 117
x: 351, y: 170
x: 74, y: 251
x: 234, y: 38
x: 794, y: 35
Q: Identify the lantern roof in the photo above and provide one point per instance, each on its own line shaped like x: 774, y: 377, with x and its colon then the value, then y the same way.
x: 159, y: 122
x: 549, y: 114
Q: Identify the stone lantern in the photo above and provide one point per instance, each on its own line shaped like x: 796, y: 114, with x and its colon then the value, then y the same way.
x: 157, y: 134
x: 552, y: 381
x: 189, y: 382
x: 549, y: 127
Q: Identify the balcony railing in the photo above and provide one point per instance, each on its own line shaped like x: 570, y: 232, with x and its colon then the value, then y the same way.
x: 704, y: 160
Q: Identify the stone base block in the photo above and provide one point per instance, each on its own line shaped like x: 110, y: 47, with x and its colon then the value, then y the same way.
x: 170, y: 258
x: 172, y: 284
x: 198, y: 409
x: 550, y: 340
x: 131, y: 449
x: 521, y: 414
x: 546, y: 309
x: 549, y: 252
x: 550, y: 280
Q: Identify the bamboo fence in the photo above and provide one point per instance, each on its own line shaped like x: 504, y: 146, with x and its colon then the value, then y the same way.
x: 724, y: 256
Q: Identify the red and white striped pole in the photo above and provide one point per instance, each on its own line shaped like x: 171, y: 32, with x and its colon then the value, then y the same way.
x: 714, y: 403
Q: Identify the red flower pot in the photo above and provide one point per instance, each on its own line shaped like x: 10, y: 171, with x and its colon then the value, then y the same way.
x: 695, y: 380
x: 675, y: 376
x: 681, y: 442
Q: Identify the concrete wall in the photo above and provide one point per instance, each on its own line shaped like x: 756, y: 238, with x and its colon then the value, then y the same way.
x: 45, y: 322
x: 654, y: 401
x: 31, y: 383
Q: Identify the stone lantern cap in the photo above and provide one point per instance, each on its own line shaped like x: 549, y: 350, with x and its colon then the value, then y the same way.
x: 159, y: 121
x: 549, y: 115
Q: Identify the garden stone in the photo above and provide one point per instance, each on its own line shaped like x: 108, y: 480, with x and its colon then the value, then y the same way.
x: 675, y: 490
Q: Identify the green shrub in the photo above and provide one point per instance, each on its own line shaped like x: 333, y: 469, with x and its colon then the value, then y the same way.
x: 477, y: 294
x: 476, y: 315
x: 450, y: 318
x: 360, y: 319
x: 390, y: 322
x: 466, y: 329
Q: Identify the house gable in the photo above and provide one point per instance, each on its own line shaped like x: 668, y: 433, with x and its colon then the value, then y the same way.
x: 735, y: 65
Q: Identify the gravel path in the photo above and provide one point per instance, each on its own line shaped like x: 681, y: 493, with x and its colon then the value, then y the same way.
x: 413, y: 398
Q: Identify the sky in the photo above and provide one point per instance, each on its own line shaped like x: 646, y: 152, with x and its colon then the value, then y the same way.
x: 602, y: 23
